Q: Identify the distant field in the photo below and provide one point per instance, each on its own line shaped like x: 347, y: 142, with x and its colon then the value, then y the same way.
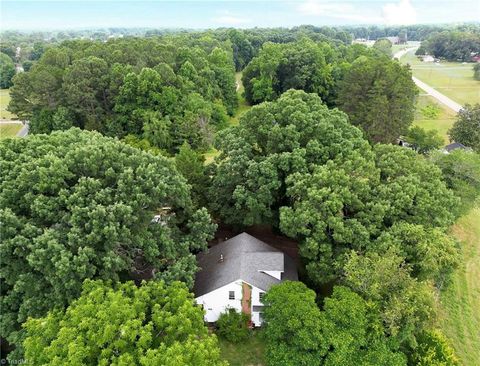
x: 453, y: 79
x: 442, y: 123
x: 9, y: 129
x: 248, y: 353
x: 460, y: 302
x: 4, y: 100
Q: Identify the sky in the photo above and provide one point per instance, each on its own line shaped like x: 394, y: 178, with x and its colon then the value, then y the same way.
x: 72, y: 14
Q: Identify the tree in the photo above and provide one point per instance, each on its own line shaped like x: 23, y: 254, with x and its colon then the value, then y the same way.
x: 383, y: 46
x: 80, y: 206
x: 461, y: 172
x: 292, y: 326
x: 422, y: 140
x: 344, y: 205
x: 476, y: 71
x: 7, y: 71
x: 466, y: 128
x: 453, y: 45
x: 378, y: 94
x: 233, y: 326
x: 404, y: 304
x: 273, y: 141
x: 191, y: 165
x: 434, y: 349
x: 346, y: 332
x: 153, y: 324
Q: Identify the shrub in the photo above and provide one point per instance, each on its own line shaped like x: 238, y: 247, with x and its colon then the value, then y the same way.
x: 433, y: 349
x: 233, y: 326
x: 431, y: 111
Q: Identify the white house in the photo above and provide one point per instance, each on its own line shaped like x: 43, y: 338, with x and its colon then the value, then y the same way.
x: 236, y: 273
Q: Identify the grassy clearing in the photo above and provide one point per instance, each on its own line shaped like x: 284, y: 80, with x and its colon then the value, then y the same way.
x: 9, y: 129
x: 460, y: 302
x: 454, y: 79
x: 4, y: 100
x: 248, y: 353
x: 243, y: 106
x: 442, y: 123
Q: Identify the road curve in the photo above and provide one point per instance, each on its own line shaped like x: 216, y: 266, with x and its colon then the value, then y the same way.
x: 454, y: 106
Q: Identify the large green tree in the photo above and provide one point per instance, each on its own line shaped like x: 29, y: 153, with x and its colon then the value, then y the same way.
x: 7, y: 71
x: 274, y: 140
x: 378, y: 95
x: 346, y: 332
x: 466, y: 128
x: 153, y: 324
x: 77, y: 205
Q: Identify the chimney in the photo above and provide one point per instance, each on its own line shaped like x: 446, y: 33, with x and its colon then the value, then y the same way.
x: 221, y: 258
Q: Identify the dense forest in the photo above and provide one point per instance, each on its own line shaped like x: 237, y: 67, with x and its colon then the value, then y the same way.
x: 112, y: 188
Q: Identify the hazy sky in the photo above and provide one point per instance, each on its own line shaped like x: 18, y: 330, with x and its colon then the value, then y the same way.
x: 39, y: 14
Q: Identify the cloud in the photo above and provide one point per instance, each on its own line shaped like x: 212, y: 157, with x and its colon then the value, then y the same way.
x: 335, y: 10
x: 315, y: 7
x: 400, y: 13
x: 225, y: 17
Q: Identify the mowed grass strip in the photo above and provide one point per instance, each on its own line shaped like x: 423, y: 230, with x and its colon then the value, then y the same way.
x: 460, y: 301
x: 454, y: 79
x: 9, y: 129
x: 247, y: 353
x: 442, y: 123
x: 4, y: 100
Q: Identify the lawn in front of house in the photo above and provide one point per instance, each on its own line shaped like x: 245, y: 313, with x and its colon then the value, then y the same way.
x: 460, y: 301
x: 9, y: 129
x: 4, y: 100
x: 454, y: 79
x: 247, y: 353
x: 441, y: 123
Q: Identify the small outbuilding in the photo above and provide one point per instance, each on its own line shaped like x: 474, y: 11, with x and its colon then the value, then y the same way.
x: 237, y: 273
x: 454, y: 146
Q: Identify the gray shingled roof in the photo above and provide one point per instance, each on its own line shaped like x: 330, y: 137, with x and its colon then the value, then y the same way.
x: 244, y: 256
x: 454, y: 146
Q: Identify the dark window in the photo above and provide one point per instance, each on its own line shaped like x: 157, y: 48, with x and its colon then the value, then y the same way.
x: 260, y: 296
x: 231, y: 295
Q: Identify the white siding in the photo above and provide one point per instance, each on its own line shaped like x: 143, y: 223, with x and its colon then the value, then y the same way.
x: 216, y: 302
x: 256, y: 302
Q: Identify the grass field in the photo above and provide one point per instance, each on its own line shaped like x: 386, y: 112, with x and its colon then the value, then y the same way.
x: 442, y: 123
x: 243, y: 106
x: 9, y: 129
x: 453, y: 79
x: 248, y: 353
x: 4, y: 100
x: 460, y: 302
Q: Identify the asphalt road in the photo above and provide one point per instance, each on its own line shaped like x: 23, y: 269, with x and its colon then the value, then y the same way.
x: 428, y: 89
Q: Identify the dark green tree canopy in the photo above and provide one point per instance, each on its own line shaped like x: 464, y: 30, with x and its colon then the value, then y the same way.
x: 466, y: 128
x: 378, y: 95
x: 273, y: 141
x: 346, y: 332
x: 77, y: 205
x: 153, y: 324
x: 7, y: 71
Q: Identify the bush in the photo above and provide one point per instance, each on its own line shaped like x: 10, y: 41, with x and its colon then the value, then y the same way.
x: 476, y: 71
x: 433, y: 349
x: 431, y: 111
x: 233, y: 326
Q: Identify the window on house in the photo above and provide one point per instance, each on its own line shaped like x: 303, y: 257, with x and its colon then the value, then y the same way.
x: 260, y: 296
x: 231, y: 295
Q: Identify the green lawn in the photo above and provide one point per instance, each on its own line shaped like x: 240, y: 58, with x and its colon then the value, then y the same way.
x: 4, y: 100
x: 247, y: 353
x: 442, y: 123
x: 460, y: 302
x: 9, y: 129
x: 453, y: 79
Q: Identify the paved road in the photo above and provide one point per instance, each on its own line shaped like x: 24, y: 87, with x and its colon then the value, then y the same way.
x: 428, y: 89
x: 23, y: 131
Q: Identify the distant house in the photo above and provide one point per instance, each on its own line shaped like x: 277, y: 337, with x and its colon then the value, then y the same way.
x: 454, y: 146
x: 237, y: 273
x: 428, y: 58
x: 394, y: 40
x: 476, y: 58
